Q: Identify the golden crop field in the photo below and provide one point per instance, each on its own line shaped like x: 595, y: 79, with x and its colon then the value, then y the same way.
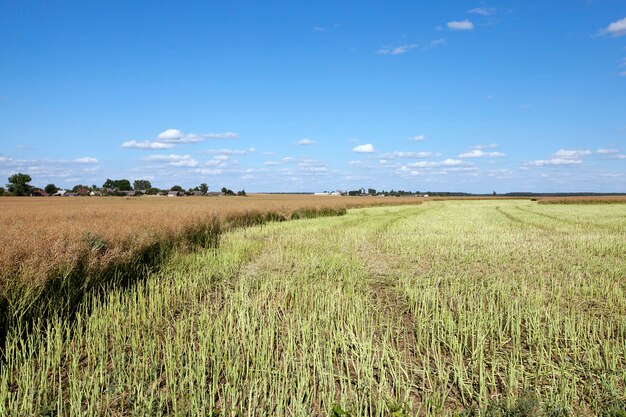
x: 54, y: 249
x: 503, y: 308
x: 608, y: 199
x: 41, y: 236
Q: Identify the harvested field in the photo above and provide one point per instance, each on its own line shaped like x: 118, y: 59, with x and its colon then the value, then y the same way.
x: 53, y: 250
x: 466, y: 308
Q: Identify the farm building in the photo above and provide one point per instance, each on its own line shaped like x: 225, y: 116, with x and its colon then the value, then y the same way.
x: 39, y: 193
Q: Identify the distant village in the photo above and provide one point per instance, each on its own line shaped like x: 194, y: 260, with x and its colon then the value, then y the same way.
x: 19, y: 185
x: 372, y: 192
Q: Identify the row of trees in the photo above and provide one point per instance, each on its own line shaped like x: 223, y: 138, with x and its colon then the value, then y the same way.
x: 19, y: 185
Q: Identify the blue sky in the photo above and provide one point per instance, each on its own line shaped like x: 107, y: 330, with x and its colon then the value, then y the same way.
x: 279, y: 96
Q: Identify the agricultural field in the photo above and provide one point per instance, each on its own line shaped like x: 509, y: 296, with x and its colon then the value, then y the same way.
x: 467, y: 308
x: 54, y: 250
x: 608, y: 199
x: 46, y: 236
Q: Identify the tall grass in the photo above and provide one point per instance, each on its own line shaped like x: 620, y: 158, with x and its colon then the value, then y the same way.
x: 620, y: 199
x: 450, y: 308
x: 54, y: 251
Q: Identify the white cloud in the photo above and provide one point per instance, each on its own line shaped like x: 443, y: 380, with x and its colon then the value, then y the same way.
x: 271, y: 163
x: 367, y: 148
x: 176, y: 136
x: 617, y: 28
x: 607, y: 151
x: 396, y: 50
x: 555, y: 161
x: 190, y: 163
x: 571, y: 153
x: 173, y: 160
x: 445, y: 163
x: 215, y: 163
x: 490, y: 146
x: 319, y: 29
x: 483, y: 11
x: 225, y: 135
x: 146, y: 145
x: 226, y: 151
x: 477, y: 153
x: 437, y: 42
x: 86, y: 160
x: 206, y: 171
x: 460, y: 25
x: 170, y: 134
x: 418, y: 138
x: 160, y: 157
x: 306, y: 141
x: 622, y: 74
x: 403, y: 154
x: 169, y: 138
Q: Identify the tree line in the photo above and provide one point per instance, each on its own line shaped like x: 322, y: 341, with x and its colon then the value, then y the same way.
x: 19, y: 185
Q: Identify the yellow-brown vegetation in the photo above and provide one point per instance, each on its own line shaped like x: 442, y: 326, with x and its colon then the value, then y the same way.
x: 53, y: 250
x: 44, y: 236
x: 607, y: 199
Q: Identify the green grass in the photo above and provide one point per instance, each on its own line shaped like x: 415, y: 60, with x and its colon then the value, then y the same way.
x: 502, y: 308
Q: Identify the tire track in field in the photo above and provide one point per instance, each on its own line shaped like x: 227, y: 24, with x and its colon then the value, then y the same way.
x: 380, y: 279
x: 566, y: 221
x: 384, y: 272
x: 520, y: 221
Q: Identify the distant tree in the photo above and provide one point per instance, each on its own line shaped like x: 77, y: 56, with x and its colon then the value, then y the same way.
x: 1, y: 190
x: 203, y: 188
x: 494, y: 193
x: 152, y: 191
x: 371, y: 191
x: 142, y: 185
x: 94, y: 187
x: 177, y: 188
x: 120, y: 185
x: 241, y: 193
x: 51, y: 188
x: 227, y: 191
x: 19, y: 184
x: 79, y: 187
x: 124, y: 185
